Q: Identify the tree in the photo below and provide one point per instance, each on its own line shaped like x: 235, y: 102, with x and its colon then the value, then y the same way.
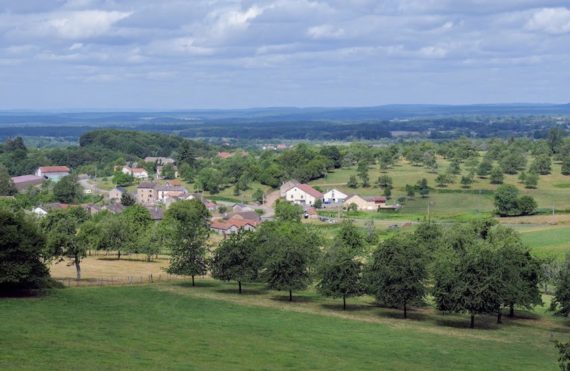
x: 7, y: 187
x: 21, y: 253
x: 507, y: 200
x: 340, y: 275
x: 469, y: 280
x: 520, y: 270
x: 186, y: 233
x: 285, y: 211
x: 168, y: 171
x: 497, y: 175
x: 236, y: 259
x: 410, y: 191
x: 67, y: 190
x: 455, y: 167
x: 289, y: 252
x: 423, y: 188
x: 258, y: 196
x: 362, y: 172
x: 209, y: 179
x: 123, y: 180
x: 563, y: 355
x: 352, y: 182
x: 484, y: 168
x: 384, y: 181
x: 318, y: 203
x: 442, y: 180
x: 565, y: 166
x: 531, y: 180
x: 527, y: 205
x: 555, y: 139
x: 128, y: 199
x: 542, y: 164
x: 397, y: 273
x: 561, y: 300
x: 350, y: 237
x: 62, y: 228
x: 466, y: 181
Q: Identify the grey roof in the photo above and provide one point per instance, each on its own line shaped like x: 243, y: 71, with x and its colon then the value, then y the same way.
x: 172, y: 188
x: 147, y: 185
x: 156, y: 213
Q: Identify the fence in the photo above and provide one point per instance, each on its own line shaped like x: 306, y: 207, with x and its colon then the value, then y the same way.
x: 120, y: 281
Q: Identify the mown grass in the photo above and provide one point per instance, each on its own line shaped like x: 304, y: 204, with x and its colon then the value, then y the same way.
x: 211, y: 327
x: 547, y: 240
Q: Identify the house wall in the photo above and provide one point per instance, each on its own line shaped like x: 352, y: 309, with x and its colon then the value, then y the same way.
x: 299, y: 196
x: 146, y: 196
x: 361, y: 204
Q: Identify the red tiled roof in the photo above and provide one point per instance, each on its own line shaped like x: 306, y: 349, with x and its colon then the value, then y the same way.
x: 54, y: 169
x: 239, y: 223
x: 309, y: 190
x: 138, y: 170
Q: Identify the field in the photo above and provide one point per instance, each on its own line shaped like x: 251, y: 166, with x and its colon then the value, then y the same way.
x: 552, y: 191
x: 174, y: 326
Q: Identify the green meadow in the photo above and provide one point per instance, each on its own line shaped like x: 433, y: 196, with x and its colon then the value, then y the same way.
x: 174, y: 326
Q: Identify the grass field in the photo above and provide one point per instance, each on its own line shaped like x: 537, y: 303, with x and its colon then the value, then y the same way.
x: 547, y: 240
x: 173, y: 326
x: 552, y: 191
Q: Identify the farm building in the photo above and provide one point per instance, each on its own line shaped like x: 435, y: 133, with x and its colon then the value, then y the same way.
x: 54, y: 173
x: 303, y: 194
x: 334, y: 196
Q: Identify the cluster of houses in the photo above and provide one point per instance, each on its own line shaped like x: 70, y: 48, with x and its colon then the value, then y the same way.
x: 306, y: 196
x: 141, y: 173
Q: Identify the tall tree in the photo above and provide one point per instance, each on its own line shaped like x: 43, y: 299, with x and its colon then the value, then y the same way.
x: 63, y: 241
x: 286, y: 211
x: 561, y: 301
x: 7, y: 187
x: 289, y: 252
x: 187, y: 237
x: 21, y: 254
x: 236, y: 259
x: 340, y: 274
x: 67, y: 190
x: 397, y: 273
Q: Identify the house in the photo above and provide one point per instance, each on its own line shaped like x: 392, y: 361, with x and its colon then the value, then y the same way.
x: 147, y: 193
x: 233, y: 226
x: 287, y: 186
x: 238, y: 208
x: 334, y: 196
x: 135, y: 172
x: 170, y: 191
x: 244, y: 215
x: 160, y: 160
x: 25, y: 181
x: 210, y: 205
x: 372, y: 203
x: 303, y: 194
x: 116, y: 193
x: 54, y: 173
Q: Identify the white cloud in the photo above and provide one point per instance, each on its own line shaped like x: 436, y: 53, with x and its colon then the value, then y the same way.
x: 84, y: 24
x: 433, y: 52
x: 550, y: 20
x: 325, y: 31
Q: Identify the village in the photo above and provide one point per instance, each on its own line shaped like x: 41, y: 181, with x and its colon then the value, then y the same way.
x: 157, y: 194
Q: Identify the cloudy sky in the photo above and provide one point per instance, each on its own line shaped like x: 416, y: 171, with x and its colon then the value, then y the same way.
x: 167, y: 54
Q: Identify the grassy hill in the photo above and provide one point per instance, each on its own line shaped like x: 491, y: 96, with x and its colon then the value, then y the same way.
x: 172, y: 326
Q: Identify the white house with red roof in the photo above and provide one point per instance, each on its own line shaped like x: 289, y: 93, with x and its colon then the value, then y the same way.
x: 303, y: 194
x: 225, y: 227
x: 54, y: 173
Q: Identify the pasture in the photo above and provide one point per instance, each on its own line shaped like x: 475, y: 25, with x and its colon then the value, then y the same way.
x: 174, y: 326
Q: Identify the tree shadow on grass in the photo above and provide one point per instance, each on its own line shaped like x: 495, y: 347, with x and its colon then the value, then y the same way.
x: 198, y: 284
x: 296, y: 299
x: 399, y: 314
x: 245, y: 291
x: 481, y: 323
x: 350, y: 308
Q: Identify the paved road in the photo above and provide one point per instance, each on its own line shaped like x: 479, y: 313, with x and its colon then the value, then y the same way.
x: 86, y: 183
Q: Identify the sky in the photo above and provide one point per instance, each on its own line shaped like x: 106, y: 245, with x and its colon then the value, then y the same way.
x: 175, y: 54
